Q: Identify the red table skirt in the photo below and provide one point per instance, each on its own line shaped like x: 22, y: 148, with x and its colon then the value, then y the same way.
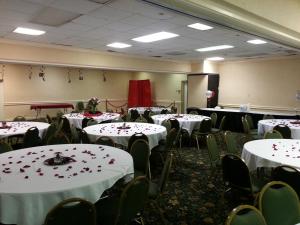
x: 51, y: 106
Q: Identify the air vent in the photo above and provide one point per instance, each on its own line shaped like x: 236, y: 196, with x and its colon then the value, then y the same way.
x: 176, y: 53
x: 156, y: 56
x: 253, y: 55
x: 65, y: 45
x: 111, y: 50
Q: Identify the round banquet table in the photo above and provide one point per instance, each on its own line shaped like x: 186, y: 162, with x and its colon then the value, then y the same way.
x: 186, y: 121
x: 20, y: 127
x: 155, y: 110
x: 75, y: 119
x: 268, y: 125
x: 271, y: 153
x: 29, y: 188
x: 121, y: 136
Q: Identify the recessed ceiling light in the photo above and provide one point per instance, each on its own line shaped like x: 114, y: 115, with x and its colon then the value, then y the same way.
x: 214, y: 48
x: 118, y: 45
x: 257, y: 42
x: 28, y: 31
x: 200, y: 26
x: 215, y: 58
x: 155, y: 37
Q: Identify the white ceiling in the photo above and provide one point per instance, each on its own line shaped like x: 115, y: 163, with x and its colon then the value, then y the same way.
x: 97, y: 25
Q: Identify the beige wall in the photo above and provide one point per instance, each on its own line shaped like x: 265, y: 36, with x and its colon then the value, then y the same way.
x: 20, y: 91
x: 166, y: 88
x: 197, y: 87
x: 265, y: 84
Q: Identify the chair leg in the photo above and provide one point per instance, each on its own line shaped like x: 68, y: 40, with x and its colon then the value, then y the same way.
x: 197, y: 142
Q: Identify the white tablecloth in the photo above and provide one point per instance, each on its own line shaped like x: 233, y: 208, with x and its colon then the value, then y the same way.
x: 186, y: 121
x: 121, y: 136
x: 268, y: 125
x: 75, y: 119
x: 155, y: 110
x: 22, y: 127
x: 29, y: 189
x: 271, y: 153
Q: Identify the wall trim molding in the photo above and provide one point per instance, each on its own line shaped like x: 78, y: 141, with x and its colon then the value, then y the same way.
x: 260, y: 107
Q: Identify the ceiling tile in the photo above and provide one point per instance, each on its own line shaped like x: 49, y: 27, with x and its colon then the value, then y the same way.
x: 110, y: 13
x: 77, y: 6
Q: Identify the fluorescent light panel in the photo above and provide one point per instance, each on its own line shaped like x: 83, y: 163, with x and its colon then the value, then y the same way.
x: 118, y: 45
x: 214, y: 48
x: 28, y: 31
x: 155, y: 37
x: 216, y: 58
x: 200, y: 26
x: 257, y: 42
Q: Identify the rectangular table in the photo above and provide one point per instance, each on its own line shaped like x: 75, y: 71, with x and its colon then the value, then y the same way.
x: 39, y: 107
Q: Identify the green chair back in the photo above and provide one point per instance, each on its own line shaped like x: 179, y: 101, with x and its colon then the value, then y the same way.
x: 19, y: 118
x: 167, y: 125
x: 134, y: 114
x: 174, y: 123
x: 5, y: 147
x: 49, y: 119
x: 165, y: 173
x: 284, y: 130
x: 231, y: 143
x: 65, y: 126
x: 171, y: 139
x: 74, y: 211
x: 279, y: 204
x: 173, y: 110
x: 164, y: 111
x: 132, y: 200
x: 140, y: 153
x: 213, y: 150
x: 84, y: 137
x: 104, y: 140
x: 214, y: 118
x: 222, y: 123
x: 246, y: 127
x: 205, y: 126
x: 136, y: 136
x: 249, y: 120
x: 141, y: 119
x: 58, y: 138
x: 85, y: 122
x: 79, y: 106
x: 274, y: 134
x: 74, y: 135
x: 289, y: 175
x: 236, y: 173
x: 245, y: 215
x: 91, y: 122
x: 52, y: 129
x: 31, y: 138
x: 268, y: 117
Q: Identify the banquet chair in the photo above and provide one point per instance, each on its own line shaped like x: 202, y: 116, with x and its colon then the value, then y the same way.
x: 15, y: 141
x: 268, y: 117
x: 58, y: 138
x: 123, y: 209
x: 245, y: 215
x: 31, y: 138
x: 84, y: 137
x: 249, y: 120
x: 51, y: 130
x: 91, y: 122
x: 156, y: 189
x: 149, y: 119
x: 231, y: 143
x: 85, y: 121
x: 141, y: 119
x: 167, y: 124
x: 134, y: 114
x: 164, y: 111
x: 146, y: 113
x: 173, y: 110
x: 289, y: 175
x: 49, y: 119
x: 279, y: 204
x: 79, y: 106
x: 221, y: 126
x: 214, y: 118
x: 104, y: 140
x: 104, y: 121
x: 202, y: 132
x: 213, y: 153
x: 5, y: 147
x: 194, y: 112
x: 236, y: 176
x: 284, y: 130
x: 19, y: 118
x: 174, y: 123
x: 73, y: 211
x: 140, y: 153
x: 136, y: 136
x: 273, y: 134
x: 249, y: 134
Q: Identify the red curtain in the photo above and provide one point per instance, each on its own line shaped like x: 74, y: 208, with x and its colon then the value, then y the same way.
x: 139, y: 93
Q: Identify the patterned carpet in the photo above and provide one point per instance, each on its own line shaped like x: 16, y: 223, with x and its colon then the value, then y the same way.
x: 192, y: 196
